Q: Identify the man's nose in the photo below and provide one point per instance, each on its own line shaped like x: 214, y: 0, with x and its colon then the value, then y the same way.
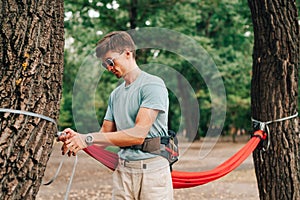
x: 109, y: 68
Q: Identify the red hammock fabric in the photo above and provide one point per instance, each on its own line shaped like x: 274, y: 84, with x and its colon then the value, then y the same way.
x: 183, y: 179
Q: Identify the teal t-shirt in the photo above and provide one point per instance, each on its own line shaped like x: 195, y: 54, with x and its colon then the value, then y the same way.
x: 146, y: 91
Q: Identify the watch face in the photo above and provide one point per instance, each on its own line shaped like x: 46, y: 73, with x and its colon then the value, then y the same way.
x: 89, y: 139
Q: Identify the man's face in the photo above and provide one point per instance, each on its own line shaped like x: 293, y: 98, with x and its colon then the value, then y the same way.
x: 112, y: 61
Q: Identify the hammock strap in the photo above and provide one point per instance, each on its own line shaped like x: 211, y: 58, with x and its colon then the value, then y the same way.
x: 259, y: 125
x: 32, y: 114
x: 21, y: 112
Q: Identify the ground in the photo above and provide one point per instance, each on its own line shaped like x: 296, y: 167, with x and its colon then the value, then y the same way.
x: 93, y: 181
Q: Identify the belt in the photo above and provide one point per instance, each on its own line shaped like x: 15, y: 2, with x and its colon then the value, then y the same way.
x: 151, y: 163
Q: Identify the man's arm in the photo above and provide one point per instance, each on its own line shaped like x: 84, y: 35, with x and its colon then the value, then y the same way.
x: 108, y: 126
x: 132, y: 136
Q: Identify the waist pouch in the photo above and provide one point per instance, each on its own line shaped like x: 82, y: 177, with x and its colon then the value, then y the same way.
x: 166, y: 146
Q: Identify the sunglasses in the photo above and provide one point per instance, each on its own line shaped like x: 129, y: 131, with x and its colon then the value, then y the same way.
x: 110, y: 61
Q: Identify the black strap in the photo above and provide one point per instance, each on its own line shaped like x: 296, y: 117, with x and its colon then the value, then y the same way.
x: 151, y: 145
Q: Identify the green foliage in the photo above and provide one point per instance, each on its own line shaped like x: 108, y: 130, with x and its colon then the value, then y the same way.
x: 222, y: 27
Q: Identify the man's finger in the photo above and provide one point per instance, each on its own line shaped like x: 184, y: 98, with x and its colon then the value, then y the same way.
x: 70, y: 153
x: 69, y: 144
x: 64, y: 149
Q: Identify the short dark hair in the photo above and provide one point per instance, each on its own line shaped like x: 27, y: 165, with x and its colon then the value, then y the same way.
x: 116, y: 41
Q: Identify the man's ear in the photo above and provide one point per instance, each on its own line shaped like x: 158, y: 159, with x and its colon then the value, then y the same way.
x: 128, y: 53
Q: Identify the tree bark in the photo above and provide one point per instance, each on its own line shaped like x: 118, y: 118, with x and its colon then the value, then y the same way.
x: 274, y: 95
x: 31, y: 53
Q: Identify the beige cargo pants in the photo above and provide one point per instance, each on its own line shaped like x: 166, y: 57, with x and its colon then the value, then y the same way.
x: 143, y: 180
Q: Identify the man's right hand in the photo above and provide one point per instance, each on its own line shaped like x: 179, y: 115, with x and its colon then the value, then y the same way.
x: 63, y: 137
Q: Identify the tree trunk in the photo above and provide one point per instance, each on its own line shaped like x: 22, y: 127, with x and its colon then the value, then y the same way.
x: 274, y: 95
x: 188, y: 109
x: 133, y: 14
x: 31, y: 53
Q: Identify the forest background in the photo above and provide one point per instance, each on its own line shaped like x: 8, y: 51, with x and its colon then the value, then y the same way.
x: 222, y: 27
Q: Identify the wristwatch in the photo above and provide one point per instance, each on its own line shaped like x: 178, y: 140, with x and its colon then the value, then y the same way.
x: 89, y: 140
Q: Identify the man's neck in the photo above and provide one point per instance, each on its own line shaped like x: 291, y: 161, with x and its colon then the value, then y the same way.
x: 132, y: 75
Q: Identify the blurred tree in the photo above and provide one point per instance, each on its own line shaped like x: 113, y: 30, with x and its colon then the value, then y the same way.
x: 31, y: 52
x: 274, y: 96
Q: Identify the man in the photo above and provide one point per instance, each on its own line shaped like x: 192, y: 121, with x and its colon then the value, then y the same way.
x: 135, y: 120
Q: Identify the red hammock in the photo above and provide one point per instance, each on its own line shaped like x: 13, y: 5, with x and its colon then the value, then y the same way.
x: 183, y: 179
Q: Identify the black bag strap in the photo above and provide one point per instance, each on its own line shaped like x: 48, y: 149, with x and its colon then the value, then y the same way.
x: 151, y: 145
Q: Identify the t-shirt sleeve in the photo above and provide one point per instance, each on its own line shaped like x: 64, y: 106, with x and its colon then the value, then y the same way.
x: 155, y: 96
